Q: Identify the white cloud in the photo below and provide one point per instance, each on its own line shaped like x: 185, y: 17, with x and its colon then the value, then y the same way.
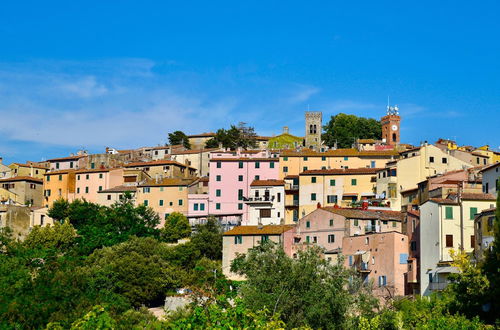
x: 85, y: 87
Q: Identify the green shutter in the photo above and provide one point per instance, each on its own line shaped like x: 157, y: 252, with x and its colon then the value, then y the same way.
x: 332, y: 183
x: 473, y: 211
x: 449, y: 212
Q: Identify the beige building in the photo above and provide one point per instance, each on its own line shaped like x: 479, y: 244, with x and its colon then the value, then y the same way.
x: 414, y: 166
x: 335, y: 187
x: 159, y: 169
x: 165, y: 196
x: 21, y: 190
x: 295, y: 162
x: 32, y: 170
x: 197, y: 158
x: 108, y: 197
x: 198, y: 141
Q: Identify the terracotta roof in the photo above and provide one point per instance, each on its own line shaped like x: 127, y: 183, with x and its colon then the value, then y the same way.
x: 244, y: 159
x: 168, y: 182
x: 204, y: 179
x: 366, y: 214
x: 340, y: 153
x: 414, y: 212
x: 31, y: 165
x: 259, y: 230
x: 262, y: 138
x: 194, y: 151
x: 342, y: 171
x: 265, y: 183
x: 443, y: 201
x: 366, y: 141
x: 475, y: 196
x: 59, y: 172
x: 119, y: 189
x: 291, y: 177
x: 22, y: 178
x: 410, y: 150
x: 409, y: 190
x: 94, y: 170
x: 489, y: 166
x: 66, y: 158
x: 155, y: 163
x: 209, y: 134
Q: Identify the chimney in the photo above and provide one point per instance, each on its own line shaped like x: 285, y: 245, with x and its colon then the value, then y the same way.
x: 285, y: 129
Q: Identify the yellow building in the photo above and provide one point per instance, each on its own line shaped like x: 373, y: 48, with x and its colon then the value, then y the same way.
x: 414, y: 166
x: 57, y: 185
x: 318, y: 188
x: 22, y: 190
x: 492, y: 155
x: 165, y: 196
x: 295, y: 162
x: 32, y: 170
x: 484, y: 231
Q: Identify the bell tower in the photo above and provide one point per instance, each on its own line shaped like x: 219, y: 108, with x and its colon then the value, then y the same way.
x: 391, y: 126
x: 314, y: 121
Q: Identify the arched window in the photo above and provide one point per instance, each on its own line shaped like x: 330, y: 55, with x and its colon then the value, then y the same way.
x: 393, y: 137
x: 311, y: 127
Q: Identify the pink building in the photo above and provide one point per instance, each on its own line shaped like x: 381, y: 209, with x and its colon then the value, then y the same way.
x: 381, y: 258
x: 68, y: 163
x: 231, y: 174
x: 90, y: 182
x: 197, y: 208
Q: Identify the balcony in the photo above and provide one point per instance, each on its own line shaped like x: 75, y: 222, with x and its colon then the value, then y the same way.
x: 362, y: 267
x: 259, y: 200
x: 372, y: 229
x: 294, y: 203
x: 438, y: 286
x: 291, y: 187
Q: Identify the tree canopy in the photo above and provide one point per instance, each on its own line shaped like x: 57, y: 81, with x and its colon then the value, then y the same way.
x: 345, y: 129
x: 176, y: 227
x: 179, y: 137
x: 241, y: 136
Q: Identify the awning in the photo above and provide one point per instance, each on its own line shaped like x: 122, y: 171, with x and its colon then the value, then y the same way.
x: 368, y: 194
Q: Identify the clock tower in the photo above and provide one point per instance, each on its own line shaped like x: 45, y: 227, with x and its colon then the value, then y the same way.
x: 391, y: 126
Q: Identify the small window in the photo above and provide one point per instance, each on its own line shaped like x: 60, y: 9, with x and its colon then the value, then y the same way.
x: 313, y: 196
x: 78, y: 177
x: 48, y: 178
x: 305, y: 158
x: 238, y: 239
x: 219, y: 164
x: 181, y: 202
x: 264, y: 238
x: 87, y: 176
x: 431, y: 159
x: 332, y: 183
x: 445, y: 160
x: 257, y: 164
x: 240, y: 194
x: 146, y: 202
x: 473, y: 212
x: 449, y: 241
x: 354, y: 182
x: 356, y: 222
x: 382, y: 280
x: 217, y: 206
x: 86, y: 190
x: 308, y: 224
x: 403, y: 258
x: 472, y: 241
x: 240, y: 177
x: 202, y: 207
x: 285, y: 169
x: 323, y: 158
x: 449, y: 212
x: 304, y: 168
x: 100, y: 188
x: 218, y: 192
x: 218, y: 178
x: 313, y: 179
x: 265, y: 213
x: 109, y: 197
x: 346, y: 158
x: 240, y: 206
x: 77, y: 190
x: 331, y: 238
x: 160, y: 202
x: 240, y: 164
x: 271, y: 165
x: 285, y: 158
x: 60, y: 177
x: 331, y: 222
x: 100, y: 175
x: 257, y: 177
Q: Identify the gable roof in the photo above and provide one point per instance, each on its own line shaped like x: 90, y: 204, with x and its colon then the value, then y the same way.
x: 340, y: 153
x: 22, y: 178
x: 265, y: 183
x: 66, y: 158
x: 118, y: 189
x: 259, y: 230
x: 342, y: 171
x: 156, y: 163
x: 168, y: 182
x: 365, y: 214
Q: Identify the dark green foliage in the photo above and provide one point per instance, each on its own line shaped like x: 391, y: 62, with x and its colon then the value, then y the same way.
x: 241, y: 136
x: 176, y: 227
x: 208, y: 239
x: 59, y: 210
x: 178, y: 137
x: 345, y: 129
x: 307, y: 291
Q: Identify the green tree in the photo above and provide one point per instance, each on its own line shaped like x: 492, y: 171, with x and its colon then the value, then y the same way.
x: 345, y: 129
x: 307, y: 291
x: 176, y: 227
x: 60, y: 237
x: 207, y: 239
x: 178, y: 137
x: 241, y: 136
x: 59, y: 210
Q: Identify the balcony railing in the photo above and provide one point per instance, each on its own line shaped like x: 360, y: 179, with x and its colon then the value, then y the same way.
x: 292, y: 203
x: 265, y: 199
x: 292, y: 187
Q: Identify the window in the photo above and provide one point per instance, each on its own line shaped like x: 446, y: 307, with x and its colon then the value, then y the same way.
x: 331, y: 222
x: 257, y: 164
x: 257, y: 177
x: 87, y: 176
x: 218, y: 178
x: 473, y: 211
x: 278, y: 197
x: 350, y: 261
x: 57, y: 165
x: 356, y: 222
x: 240, y: 206
x: 285, y: 158
x: 195, y: 207
x: 449, y: 212
x: 60, y: 177
x: 77, y: 190
x: 92, y: 165
x: 240, y: 194
x: 218, y: 192
x: 323, y: 158
x: 264, y: 238
x: 305, y: 158
x: 313, y: 196
x: 146, y: 202
x: 308, y: 239
x: 240, y: 177
x: 70, y: 164
x: 346, y: 158
x: 331, y: 238
x: 48, y: 178
x: 109, y: 197
x: 217, y: 206
x: 331, y: 199
x: 445, y: 160
x: 219, y: 164
x: 332, y: 183
x: 304, y: 168
x: 394, y: 224
x: 240, y: 164
x: 372, y: 164
x: 47, y: 192
x: 100, y: 188
x: 403, y: 258
x: 271, y: 165
x: 413, y: 245
x: 431, y: 159
x: 167, y: 215
x: 308, y: 224
x: 146, y: 190
x: 100, y: 175
x: 313, y: 179
x: 181, y: 202
x: 202, y: 207
x: 382, y: 280
x: 265, y: 213
x: 354, y: 182
x: 449, y: 241
x: 285, y: 169
x: 78, y: 177
x: 171, y: 203
x: 238, y: 239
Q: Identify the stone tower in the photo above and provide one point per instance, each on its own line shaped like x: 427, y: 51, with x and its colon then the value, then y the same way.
x: 314, y: 121
x: 391, y: 126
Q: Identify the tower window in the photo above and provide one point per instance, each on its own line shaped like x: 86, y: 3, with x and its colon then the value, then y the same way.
x: 393, y: 137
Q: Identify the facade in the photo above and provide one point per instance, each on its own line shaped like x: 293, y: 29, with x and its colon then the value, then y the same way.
x: 484, y: 232
x: 198, y: 141
x: 491, y: 174
x: 391, y: 126
x: 32, y: 170
x: 266, y: 202
x: 21, y: 190
x: 197, y: 158
x: 165, y: 196
x: 159, y: 169
x: 242, y: 238
x: 5, y: 171
x: 446, y: 224
x: 68, y: 163
x: 110, y: 196
x: 57, y: 185
x: 335, y: 187
x: 414, y: 166
x: 90, y: 182
x: 39, y: 217
x: 411, y: 228
x: 295, y: 162
x: 380, y: 258
x: 231, y: 174
x: 17, y: 218
x: 314, y: 128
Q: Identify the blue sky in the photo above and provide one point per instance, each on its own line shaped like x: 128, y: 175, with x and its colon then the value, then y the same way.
x: 93, y: 74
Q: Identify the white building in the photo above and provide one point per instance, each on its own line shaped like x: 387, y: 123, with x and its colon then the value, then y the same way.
x: 491, y: 174
x: 446, y: 224
x: 266, y: 203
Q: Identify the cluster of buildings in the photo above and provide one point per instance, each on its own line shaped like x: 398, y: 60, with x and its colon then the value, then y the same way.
x: 392, y: 210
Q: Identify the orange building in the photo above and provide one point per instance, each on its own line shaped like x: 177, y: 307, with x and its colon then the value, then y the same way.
x: 57, y: 185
